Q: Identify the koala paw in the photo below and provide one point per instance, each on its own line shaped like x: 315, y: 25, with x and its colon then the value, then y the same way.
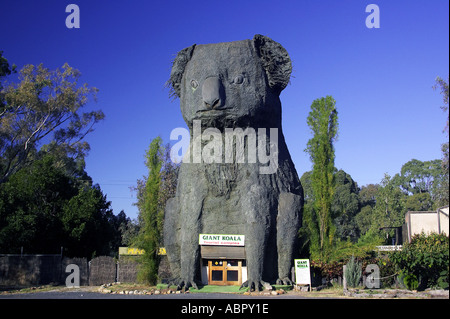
x: 180, y: 283
x: 255, y: 285
x: 186, y: 283
x: 284, y: 281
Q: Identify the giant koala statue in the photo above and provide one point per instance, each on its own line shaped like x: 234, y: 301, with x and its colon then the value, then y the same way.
x: 234, y: 85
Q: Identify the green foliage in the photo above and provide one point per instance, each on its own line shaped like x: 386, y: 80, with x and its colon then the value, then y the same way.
x: 353, y: 272
x: 425, y: 259
x: 363, y: 250
x: 419, y: 177
x: 149, y: 215
x: 322, y: 120
x: 44, y: 102
x: 328, y: 270
x: 389, y: 208
x: 153, y: 192
x: 86, y: 218
x: 408, y: 280
x: 442, y: 192
x: 367, y: 197
x: 442, y: 281
x: 30, y: 204
x: 363, y: 219
x: 44, y: 207
x: 345, y: 206
x: 357, y: 220
x: 423, y: 180
x: 5, y: 68
x: 419, y: 202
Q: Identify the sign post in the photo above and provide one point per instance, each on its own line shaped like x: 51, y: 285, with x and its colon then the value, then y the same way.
x: 302, y: 272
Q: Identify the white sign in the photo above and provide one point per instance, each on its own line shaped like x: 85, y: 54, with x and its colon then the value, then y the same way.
x: 389, y: 248
x: 302, y: 272
x: 221, y: 240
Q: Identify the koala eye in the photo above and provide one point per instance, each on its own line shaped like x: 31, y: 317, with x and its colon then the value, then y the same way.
x: 238, y: 79
x: 194, y: 84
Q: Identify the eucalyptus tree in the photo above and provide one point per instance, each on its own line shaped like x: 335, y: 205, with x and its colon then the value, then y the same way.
x: 43, y: 107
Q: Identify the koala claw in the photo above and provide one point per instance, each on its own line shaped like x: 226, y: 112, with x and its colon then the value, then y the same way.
x: 255, y: 285
x: 186, y: 284
x: 284, y: 281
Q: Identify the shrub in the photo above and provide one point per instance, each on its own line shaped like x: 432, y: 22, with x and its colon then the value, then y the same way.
x: 328, y: 270
x: 387, y: 270
x: 408, y: 280
x: 425, y: 260
x: 353, y: 272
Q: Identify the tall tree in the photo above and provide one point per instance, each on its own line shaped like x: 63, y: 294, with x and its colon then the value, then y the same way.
x: 323, y: 122
x: 152, y: 193
x: 88, y: 221
x: 5, y: 69
x: 389, y: 208
x: 44, y: 102
x: 345, y: 206
x: 417, y: 177
x: 149, y: 214
x: 367, y: 195
x: 309, y: 232
x: 419, y: 202
x: 363, y: 218
x: 443, y: 191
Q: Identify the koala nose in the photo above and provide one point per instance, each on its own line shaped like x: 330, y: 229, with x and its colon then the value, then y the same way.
x: 213, y: 93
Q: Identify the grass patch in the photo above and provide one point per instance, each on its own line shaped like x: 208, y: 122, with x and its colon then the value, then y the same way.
x: 26, y: 290
x: 221, y: 289
x: 208, y: 289
x: 165, y: 286
x: 201, y: 288
x: 218, y: 289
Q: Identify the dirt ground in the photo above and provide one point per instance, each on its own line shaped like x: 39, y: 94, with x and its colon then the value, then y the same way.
x: 331, y: 292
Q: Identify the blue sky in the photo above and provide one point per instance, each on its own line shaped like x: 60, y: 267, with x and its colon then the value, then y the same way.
x: 380, y: 78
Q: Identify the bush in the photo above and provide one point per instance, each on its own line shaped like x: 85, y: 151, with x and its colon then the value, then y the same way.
x: 408, y: 280
x: 343, y: 251
x: 329, y: 270
x: 387, y: 270
x: 353, y: 272
x: 424, y: 262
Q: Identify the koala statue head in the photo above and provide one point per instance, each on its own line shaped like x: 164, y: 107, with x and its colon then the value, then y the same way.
x: 233, y: 83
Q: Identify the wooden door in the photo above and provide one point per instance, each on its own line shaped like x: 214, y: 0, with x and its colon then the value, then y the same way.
x: 233, y: 272
x: 224, y: 272
x: 216, y: 272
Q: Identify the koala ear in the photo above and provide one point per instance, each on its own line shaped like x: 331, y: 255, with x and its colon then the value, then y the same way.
x: 275, y: 61
x: 178, y: 66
